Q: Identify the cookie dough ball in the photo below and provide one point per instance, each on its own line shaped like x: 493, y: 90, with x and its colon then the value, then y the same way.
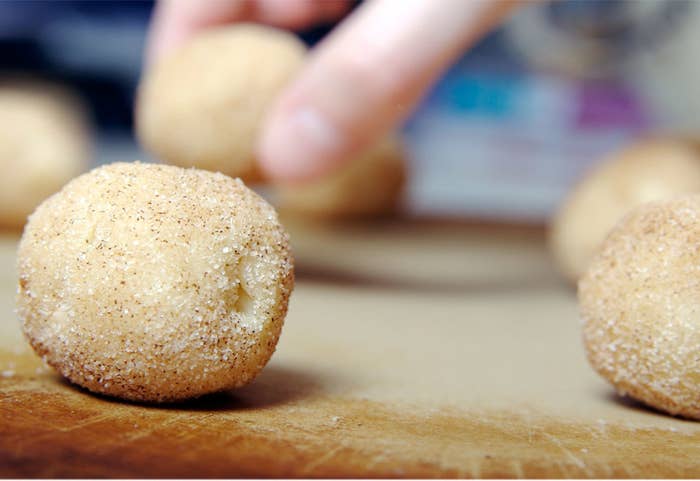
x: 43, y: 144
x: 651, y: 169
x: 153, y: 282
x: 640, y: 306
x: 371, y: 185
x: 202, y: 105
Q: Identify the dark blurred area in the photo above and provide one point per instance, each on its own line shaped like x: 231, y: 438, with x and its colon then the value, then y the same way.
x: 94, y: 47
x: 501, y: 136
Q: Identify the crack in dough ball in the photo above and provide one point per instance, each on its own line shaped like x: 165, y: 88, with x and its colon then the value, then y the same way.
x: 651, y: 169
x: 154, y: 283
x: 43, y: 144
x: 640, y: 306
x: 370, y: 185
x: 202, y: 106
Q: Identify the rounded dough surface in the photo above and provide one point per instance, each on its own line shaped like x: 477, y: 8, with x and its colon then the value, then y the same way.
x: 640, y: 306
x: 203, y: 104
x: 370, y: 185
x: 154, y: 283
x: 43, y: 144
x: 651, y: 169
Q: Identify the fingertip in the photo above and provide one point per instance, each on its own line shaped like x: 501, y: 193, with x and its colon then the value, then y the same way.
x: 300, y: 145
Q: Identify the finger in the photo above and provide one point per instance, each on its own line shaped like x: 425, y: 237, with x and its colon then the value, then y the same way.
x: 298, y: 14
x: 174, y: 21
x: 292, y: 14
x: 332, y: 9
x: 364, y: 78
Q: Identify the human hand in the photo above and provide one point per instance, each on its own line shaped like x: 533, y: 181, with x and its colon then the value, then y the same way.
x: 360, y: 82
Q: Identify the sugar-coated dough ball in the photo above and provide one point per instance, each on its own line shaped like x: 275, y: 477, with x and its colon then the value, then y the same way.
x: 203, y: 105
x: 640, y: 306
x: 650, y: 169
x: 43, y: 144
x: 153, y: 282
x: 370, y: 185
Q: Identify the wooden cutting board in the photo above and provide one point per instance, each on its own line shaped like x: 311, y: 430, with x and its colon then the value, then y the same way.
x: 410, y: 349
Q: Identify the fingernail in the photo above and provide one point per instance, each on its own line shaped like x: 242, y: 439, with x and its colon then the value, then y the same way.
x: 299, y: 146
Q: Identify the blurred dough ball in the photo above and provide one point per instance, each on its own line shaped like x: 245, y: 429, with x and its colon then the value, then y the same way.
x: 203, y: 105
x: 153, y: 282
x: 650, y: 169
x: 640, y: 306
x: 370, y: 185
x: 44, y: 142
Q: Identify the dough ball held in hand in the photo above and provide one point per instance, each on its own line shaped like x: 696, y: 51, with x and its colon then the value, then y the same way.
x: 651, y: 169
x: 44, y: 142
x: 203, y: 104
x: 370, y: 185
x: 153, y: 282
x: 640, y: 306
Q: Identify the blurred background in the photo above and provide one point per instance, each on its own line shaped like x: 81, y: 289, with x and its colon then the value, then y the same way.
x: 501, y: 137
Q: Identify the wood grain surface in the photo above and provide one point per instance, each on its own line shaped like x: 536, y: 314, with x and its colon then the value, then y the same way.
x: 409, y: 350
